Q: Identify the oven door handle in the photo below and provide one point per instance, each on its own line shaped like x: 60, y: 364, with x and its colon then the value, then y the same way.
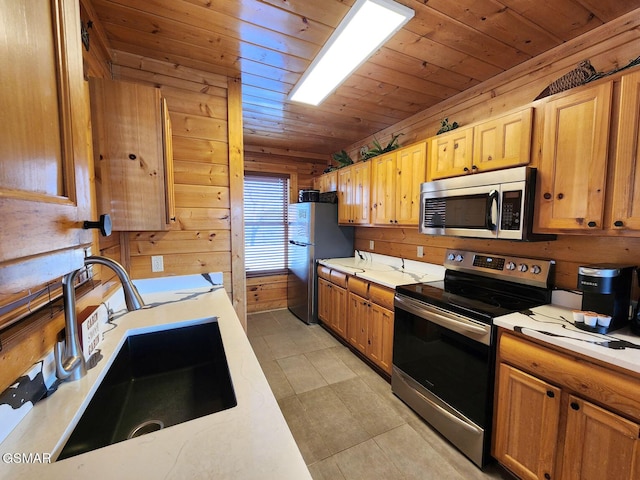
x: 439, y: 317
x: 440, y: 408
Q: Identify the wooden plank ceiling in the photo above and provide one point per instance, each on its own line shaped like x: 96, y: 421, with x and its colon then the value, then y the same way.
x: 447, y: 47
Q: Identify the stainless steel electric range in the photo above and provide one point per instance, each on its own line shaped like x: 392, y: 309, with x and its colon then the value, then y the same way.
x: 443, y: 346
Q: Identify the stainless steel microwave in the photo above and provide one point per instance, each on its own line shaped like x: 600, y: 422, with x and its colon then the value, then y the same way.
x: 496, y: 204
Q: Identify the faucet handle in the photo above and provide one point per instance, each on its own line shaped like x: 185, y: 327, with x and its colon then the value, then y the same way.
x: 73, y: 365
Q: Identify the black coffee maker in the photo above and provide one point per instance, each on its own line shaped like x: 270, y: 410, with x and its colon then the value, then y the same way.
x: 606, y: 289
x: 635, y: 320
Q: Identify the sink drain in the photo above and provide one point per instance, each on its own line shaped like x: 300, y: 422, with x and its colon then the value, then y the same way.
x: 146, y: 427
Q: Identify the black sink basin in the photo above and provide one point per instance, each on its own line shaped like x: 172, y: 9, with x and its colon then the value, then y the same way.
x: 157, y: 380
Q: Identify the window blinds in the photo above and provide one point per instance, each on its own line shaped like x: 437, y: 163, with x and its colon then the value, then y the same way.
x: 266, y: 201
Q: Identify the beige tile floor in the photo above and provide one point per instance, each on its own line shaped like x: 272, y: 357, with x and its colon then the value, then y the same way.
x: 343, y: 416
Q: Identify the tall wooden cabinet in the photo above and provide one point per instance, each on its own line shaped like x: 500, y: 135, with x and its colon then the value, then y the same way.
x: 45, y: 180
x: 557, y: 416
x: 354, y: 196
x: 134, y: 161
x: 395, y: 185
x: 573, y: 164
x: 625, y: 205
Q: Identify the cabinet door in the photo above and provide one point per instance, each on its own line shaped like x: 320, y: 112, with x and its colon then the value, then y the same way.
x: 324, y: 300
x: 380, y: 337
x: 411, y: 172
x: 503, y: 142
x: 383, y: 189
x: 626, y: 184
x: 361, y: 192
x: 527, y: 414
x: 339, y: 310
x: 331, y: 181
x: 599, y: 444
x: 45, y: 187
x: 129, y: 148
x: 345, y: 195
x: 574, y: 158
x: 451, y: 153
x: 358, y: 315
x: 167, y: 136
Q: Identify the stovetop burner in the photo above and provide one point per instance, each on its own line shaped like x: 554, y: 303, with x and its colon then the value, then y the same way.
x: 484, y: 287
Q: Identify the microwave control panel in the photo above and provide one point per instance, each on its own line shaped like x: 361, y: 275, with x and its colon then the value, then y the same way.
x: 511, y: 216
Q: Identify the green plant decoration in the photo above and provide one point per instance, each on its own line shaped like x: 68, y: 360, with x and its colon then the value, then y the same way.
x: 445, y: 126
x: 379, y: 149
x: 342, y: 158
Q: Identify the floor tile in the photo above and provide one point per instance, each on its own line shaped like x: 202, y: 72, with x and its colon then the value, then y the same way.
x: 331, y: 368
x: 332, y: 419
x: 310, y: 442
x: 366, y: 461
x: 346, y: 420
x: 326, y: 469
x: 372, y: 411
x: 278, y: 381
x: 301, y: 374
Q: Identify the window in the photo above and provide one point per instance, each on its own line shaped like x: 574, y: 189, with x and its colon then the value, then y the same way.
x: 266, y: 200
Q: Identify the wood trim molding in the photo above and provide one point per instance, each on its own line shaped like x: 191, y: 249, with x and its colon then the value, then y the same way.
x: 236, y: 189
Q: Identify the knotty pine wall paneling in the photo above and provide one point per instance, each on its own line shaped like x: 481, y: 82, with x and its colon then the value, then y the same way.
x: 202, y: 239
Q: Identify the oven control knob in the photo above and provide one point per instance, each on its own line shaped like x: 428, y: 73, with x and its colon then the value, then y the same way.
x: 511, y: 266
x: 450, y: 257
x: 535, y: 269
x: 523, y: 267
x: 459, y: 258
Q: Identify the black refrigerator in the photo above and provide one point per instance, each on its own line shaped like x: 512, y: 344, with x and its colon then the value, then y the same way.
x: 313, y: 234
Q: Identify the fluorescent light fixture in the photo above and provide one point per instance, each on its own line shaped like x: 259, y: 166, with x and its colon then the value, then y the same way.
x: 368, y: 25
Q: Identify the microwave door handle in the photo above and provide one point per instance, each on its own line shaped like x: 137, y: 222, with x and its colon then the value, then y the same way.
x: 492, y: 210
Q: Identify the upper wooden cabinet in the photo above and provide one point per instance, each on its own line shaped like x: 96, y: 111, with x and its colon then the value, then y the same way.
x: 354, y: 196
x: 45, y: 189
x: 625, y: 205
x: 327, y: 182
x: 395, y: 185
x: 133, y: 157
x: 573, y: 165
x: 497, y: 143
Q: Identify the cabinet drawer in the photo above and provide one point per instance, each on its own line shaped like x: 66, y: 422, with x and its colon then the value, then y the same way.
x: 324, y: 272
x: 383, y: 296
x: 339, y: 278
x: 359, y: 287
x: 609, y: 388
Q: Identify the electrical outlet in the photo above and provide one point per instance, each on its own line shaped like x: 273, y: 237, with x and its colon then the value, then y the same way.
x: 370, y: 244
x: 157, y: 263
x: 420, y: 251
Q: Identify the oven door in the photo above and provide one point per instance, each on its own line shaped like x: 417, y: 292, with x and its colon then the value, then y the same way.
x: 442, y: 368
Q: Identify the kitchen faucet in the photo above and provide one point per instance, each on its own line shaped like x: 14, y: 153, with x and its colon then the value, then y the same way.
x: 73, y: 367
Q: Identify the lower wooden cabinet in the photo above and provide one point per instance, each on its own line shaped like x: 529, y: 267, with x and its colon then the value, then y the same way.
x: 332, y: 306
x: 361, y: 314
x: 545, y: 429
x: 528, y: 413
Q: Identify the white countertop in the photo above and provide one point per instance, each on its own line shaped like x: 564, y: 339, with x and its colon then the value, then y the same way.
x: 385, y: 270
x: 249, y: 441
x: 553, y: 324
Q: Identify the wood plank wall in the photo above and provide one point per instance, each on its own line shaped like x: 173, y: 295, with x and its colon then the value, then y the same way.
x: 200, y: 239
